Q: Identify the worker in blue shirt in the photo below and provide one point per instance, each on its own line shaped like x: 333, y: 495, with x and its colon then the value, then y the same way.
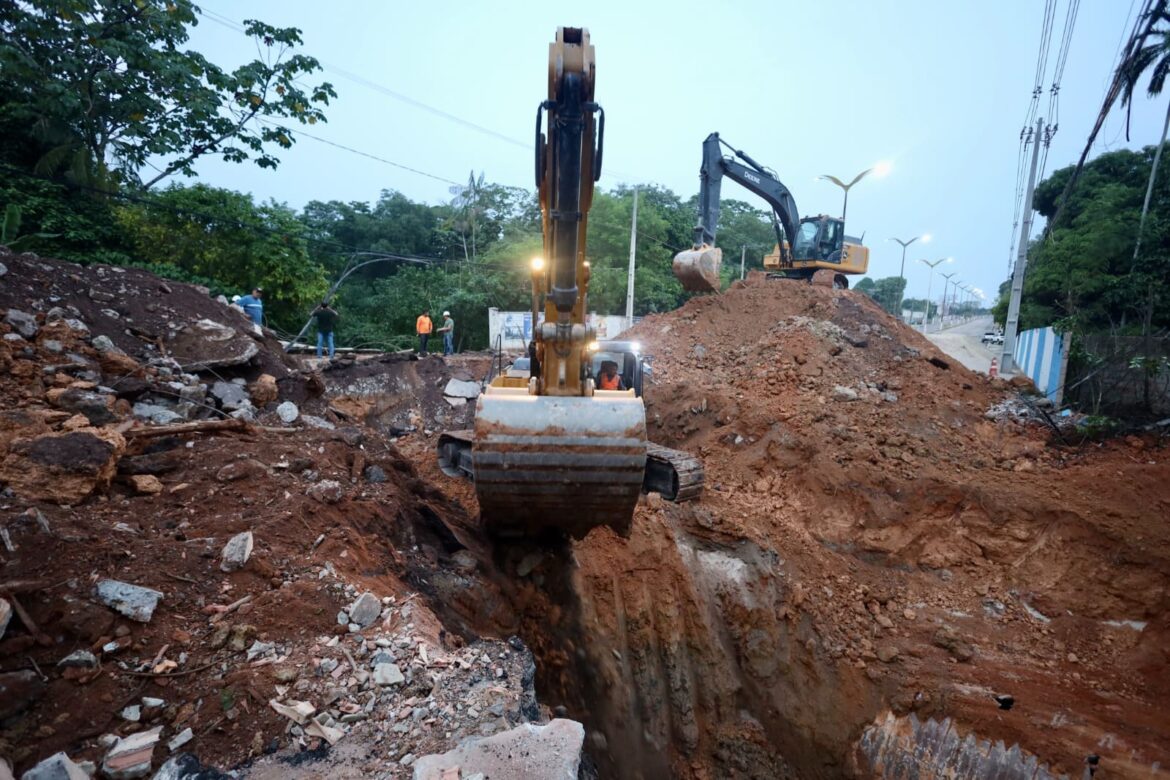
x: 253, y: 306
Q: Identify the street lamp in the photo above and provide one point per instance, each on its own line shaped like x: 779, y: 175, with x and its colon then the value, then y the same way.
x: 902, y: 269
x: 879, y: 169
x: 945, y: 309
x: 929, y: 283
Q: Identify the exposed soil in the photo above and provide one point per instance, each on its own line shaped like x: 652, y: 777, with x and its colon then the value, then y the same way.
x: 898, y: 553
x: 875, y: 558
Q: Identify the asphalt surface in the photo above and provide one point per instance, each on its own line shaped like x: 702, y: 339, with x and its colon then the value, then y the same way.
x: 962, y: 343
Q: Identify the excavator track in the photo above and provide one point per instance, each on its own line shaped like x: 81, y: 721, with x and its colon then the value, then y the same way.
x: 675, y: 475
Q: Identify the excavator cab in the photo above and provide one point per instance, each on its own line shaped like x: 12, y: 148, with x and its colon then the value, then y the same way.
x: 822, y: 254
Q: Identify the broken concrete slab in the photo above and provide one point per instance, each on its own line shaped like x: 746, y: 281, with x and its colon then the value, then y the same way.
x: 552, y: 750
x: 236, y: 552
x: 180, y: 739
x: 365, y: 610
x: 62, y: 468
x: 297, y: 711
x: 208, y: 344
x: 56, y: 767
x: 455, y: 402
x: 133, y: 601
x: 457, y: 388
x: 131, y: 756
x: 327, y: 491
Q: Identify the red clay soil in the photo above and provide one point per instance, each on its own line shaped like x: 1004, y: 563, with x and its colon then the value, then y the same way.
x: 870, y: 541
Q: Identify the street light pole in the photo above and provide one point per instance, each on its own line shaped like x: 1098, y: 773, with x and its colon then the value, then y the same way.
x: 944, y: 310
x: 902, y: 269
x: 929, y: 283
x: 846, y: 187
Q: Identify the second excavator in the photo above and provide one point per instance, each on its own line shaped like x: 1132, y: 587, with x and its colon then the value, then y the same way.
x: 552, y: 451
x: 815, y: 249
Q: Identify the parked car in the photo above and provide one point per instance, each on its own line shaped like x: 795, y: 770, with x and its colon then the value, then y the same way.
x: 991, y: 337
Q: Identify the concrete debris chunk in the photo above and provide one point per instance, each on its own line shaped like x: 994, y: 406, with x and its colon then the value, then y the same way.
x: 56, y: 767
x: 133, y: 601
x: 230, y: 395
x: 374, y: 474
x: 327, y: 733
x: 236, y: 552
x: 5, y: 615
x: 82, y: 659
x: 98, y: 408
x: 132, y: 755
x: 297, y: 711
x: 388, y: 674
x: 317, y: 422
x: 552, y: 750
x: 104, y: 344
x: 288, y: 412
x: 458, y: 388
x: 180, y: 739
x: 155, y: 413
x: 23, y: 323
x: 365, y: 610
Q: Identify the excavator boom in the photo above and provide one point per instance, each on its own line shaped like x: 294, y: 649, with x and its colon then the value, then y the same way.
x: 553, y: 453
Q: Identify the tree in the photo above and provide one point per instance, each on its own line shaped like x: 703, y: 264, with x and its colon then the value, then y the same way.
x: 1084, y: 278
x: 223, y: 236
x: 886, y: 292
x: 1155, y: 59
x: 105, y: 89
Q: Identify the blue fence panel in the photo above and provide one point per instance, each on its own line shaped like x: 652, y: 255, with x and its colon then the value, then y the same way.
x: 1039, y: 355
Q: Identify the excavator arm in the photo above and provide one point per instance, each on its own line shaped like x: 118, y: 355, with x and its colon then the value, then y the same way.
x: 698, y: 269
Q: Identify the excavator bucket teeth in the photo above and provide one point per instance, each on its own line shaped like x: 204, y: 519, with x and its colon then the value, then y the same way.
x: 549, y: 463
x: 698, y: 269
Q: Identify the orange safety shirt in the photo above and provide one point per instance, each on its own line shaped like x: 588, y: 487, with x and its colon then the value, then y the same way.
x: 423, y: 324
x: 610, y: 383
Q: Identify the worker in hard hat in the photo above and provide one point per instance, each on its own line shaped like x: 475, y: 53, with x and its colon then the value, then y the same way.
x: 448, y: 331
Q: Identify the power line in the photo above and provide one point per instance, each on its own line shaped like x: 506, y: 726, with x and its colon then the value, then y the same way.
x: 364, y: 154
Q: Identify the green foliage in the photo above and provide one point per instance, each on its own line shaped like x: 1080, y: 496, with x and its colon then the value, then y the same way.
x: 887, y: 292
x: 224, y: 236
x: 64, y: 222
x: 1084, y: 276
x: 101, y: 88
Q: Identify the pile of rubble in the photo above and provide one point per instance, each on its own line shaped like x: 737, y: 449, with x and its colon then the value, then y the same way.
x: 207, y: 559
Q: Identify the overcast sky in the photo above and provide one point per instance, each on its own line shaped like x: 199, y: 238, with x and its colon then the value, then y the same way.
x: 940, y: 89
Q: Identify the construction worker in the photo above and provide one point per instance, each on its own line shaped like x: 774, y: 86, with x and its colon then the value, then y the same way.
x: 326, y: 317
x: 609, y: 378
x: 423, y: 327
x: 253, y: 306
x: 448, y: 331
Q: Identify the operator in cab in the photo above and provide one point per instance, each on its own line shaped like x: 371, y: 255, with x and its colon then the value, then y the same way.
x: 610, y: 379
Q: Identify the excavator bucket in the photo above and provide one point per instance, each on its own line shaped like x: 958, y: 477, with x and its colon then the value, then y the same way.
x: 552, y: 462
x: 698, y: 269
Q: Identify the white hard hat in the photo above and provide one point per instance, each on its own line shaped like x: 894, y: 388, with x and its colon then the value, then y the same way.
x: 446, y: 314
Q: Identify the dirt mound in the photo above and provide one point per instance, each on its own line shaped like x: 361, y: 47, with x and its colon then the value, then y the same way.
x: 876, y: 541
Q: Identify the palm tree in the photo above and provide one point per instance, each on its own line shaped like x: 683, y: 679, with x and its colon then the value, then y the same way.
x: 467, y: 203
x: 1154, y: 58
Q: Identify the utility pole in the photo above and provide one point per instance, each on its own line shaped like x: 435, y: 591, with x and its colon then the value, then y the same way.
x: 630, y: 274
x: 1007, y: 363
x: 742, y: 255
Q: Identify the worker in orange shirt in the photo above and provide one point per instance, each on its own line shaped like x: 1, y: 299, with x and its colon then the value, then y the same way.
x: 423, y: 327
x: 609, y: 378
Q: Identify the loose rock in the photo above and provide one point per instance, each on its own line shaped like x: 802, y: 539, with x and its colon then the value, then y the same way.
x: 551, y: 750
x: 365, y: 610
x: 136, y: 603
x: 56, y: 767
x: 236, y: 552
x: 131, y: 756
x: 288, y: 412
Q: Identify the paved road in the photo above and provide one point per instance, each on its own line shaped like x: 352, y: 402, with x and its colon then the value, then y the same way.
x: 962, y: 343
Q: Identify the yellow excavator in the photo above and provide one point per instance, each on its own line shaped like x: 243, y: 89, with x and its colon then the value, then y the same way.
x: 815, y: 249
x: 551, y: 452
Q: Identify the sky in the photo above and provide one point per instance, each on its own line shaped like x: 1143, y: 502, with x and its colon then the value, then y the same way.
x: 939, y: 89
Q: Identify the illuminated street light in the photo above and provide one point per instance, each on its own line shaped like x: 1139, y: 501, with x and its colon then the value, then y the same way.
x: 880, y: 169
x: 925, y: 238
